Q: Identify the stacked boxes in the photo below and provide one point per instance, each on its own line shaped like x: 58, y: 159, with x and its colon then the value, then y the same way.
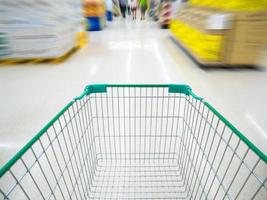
x: 39, y: 29
x: 247, y: 39
x: 205, y: 19
x: 201, y: 31
x: 215, y: 36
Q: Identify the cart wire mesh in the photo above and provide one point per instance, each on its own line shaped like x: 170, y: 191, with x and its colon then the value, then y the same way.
x: 136, y: 142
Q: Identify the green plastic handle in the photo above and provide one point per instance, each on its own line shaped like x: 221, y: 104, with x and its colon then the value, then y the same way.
x: 173, y: 88
x: 184, y: 89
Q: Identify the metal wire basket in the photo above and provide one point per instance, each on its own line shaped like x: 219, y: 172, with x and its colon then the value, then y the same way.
x: 137, y: 142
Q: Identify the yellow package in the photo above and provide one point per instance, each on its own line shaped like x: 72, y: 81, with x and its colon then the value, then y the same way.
x: 237, y: 5
x: 205, y: 46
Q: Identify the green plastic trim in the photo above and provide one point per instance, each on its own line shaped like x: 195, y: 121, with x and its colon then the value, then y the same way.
x: 96, y: 88
x: 90, y: 89
x: 184, y: 89
x: 238, y: 133
x: 18, y: 155
x: 138, y: 85
x: 196, y: 96
x: 173, y: 88
x: 80, y: 97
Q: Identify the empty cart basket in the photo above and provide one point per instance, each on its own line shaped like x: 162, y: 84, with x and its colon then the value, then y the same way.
x: 136, y: 142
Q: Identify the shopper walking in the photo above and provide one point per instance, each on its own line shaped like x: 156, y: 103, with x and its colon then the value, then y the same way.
x: 123, y: 7
x: 143, y: 8
x: 129, y: 7
x: 133, y: 5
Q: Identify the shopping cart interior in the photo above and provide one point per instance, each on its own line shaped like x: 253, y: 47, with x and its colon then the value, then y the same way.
x: 136, y: 142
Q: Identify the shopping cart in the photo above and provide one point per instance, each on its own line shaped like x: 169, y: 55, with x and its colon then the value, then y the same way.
x: 136, y: 142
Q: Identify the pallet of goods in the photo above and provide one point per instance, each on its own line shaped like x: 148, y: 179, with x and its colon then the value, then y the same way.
x: 215, y: 35
x: 54, y: 33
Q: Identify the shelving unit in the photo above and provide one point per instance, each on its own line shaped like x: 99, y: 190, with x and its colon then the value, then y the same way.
x: 56, y: 30
x: 216, y: 36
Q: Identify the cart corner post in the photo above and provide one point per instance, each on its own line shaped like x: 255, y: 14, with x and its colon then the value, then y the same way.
x: 184, y: 89
x: 90, y: 89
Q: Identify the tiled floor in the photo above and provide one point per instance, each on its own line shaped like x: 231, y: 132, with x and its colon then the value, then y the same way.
x: 125, y: 52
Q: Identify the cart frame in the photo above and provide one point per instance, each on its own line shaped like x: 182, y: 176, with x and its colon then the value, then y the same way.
x: 200, y: 175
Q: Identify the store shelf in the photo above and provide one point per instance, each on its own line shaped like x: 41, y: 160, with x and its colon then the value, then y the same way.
x: 194, y: 56
x: 213, y: 37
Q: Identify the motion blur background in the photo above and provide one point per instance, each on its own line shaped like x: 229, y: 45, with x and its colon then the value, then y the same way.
x: 49, y: 50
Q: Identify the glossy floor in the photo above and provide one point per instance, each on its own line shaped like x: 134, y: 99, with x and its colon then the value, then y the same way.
x: 125, y: 52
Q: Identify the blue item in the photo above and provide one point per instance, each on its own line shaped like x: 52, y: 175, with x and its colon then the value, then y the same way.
x: 94, y: 23
x: 109, y: 16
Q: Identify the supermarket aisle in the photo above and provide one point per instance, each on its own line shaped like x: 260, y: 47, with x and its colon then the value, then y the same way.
x: 125, y: 52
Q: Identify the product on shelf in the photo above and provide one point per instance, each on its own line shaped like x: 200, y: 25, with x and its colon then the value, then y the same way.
x: 94, y: 8
x: 51, y: 33
x: 206, y: 46
x: 216, y: 37
x: 95, y: 12
x: 109, y: 10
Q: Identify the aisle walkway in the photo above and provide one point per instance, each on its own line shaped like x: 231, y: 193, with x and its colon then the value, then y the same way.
x: 125, y: 52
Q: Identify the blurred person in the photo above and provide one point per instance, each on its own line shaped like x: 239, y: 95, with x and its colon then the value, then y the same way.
x: 152, y: 8
x: 133, y: 5
x: 123, y: 7
x: 129, y: 7
x: 143, y: 8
